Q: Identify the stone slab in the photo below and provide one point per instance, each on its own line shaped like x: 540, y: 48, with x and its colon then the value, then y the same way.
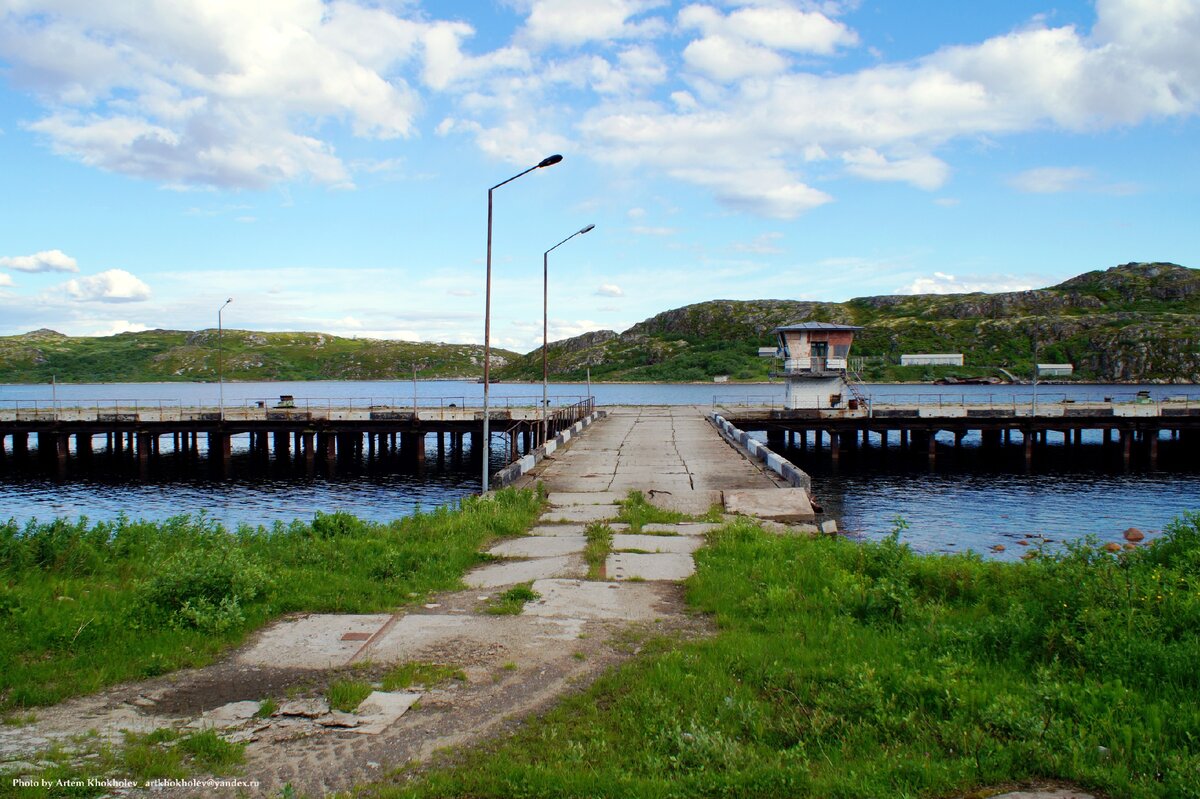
x: 231, y: 715
x: 682, y: 544
x: 683, y: 528
x: 562, y: 499
x: 582, y: 599
x: 379, y: 710
x: 667, y: 566
x: 777, y: 504
x: 539, y: 546
x: 422, y: 636
x: 498, y: 574
x: 581, y: 513
x: 694, y: 503
x: 312, y: 642
x: 571, y: 529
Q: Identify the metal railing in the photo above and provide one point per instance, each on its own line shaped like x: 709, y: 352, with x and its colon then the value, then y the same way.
x: 1020, y: 404
x: 250, y: 409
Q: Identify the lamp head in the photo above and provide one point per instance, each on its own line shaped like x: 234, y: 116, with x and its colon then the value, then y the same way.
x: 588, y: 228
x: 550, y: 160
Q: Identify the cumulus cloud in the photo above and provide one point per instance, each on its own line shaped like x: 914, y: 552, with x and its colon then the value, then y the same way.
x: 114, y: 285
x: 1050, y: 179
x: 5, y: 280
x: 574, y: 22
x: 44, y: 261
x: 943, y: 283
x: 119, y: 326
x: 212, y: 92
x: 923, y: 171
x: 609, y: 290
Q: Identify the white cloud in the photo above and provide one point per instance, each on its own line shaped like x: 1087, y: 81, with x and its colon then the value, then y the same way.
x: 212, y: 92
x: 114, y: 285
x: 726, y: 59
x: 942, y: 283
x: 1050, y: 179
x: 119, y: 326
x: 574, y: 22
x: 648, y: 230
x: 5, y: 280
x: 609, y: 290
x: 44, y: 261
x: 923, y: 171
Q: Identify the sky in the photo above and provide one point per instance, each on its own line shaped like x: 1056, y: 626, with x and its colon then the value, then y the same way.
x: 326, y: 164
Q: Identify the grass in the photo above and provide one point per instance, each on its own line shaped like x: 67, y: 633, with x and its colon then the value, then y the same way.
x: 595, y: 552
x: 347, y: 695
x: 266, y: 709
x: 851, y: 670
x: 512, y: 601
x: 417, y: 672
x: 636, y: 511
x: 84, y: 606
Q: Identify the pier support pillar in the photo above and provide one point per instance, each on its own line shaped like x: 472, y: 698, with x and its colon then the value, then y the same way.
x: 83, y: 445
x: 1126, y: 447
x: 306, y: 447
x: 931, y: 449
x: 775, y: 439
x: 144, y: 447
x: 835, y: 446
x: 220, y: 450
x: 282, y: 445
x: 1028, y: 435
x: 1153, y: 448
x: 1107, y: 436
x: 959, y: 435
x: 20, y: 445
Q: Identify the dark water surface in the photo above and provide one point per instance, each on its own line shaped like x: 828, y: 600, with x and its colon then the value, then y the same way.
x: 966, y: 503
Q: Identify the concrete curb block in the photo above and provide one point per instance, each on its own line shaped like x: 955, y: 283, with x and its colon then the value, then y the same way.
x: 789, y: 471
x: 523, y: 466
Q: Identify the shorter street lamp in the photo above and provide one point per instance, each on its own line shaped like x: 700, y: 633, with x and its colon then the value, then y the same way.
x: 487, y: 321
x: 220, y: 363
x: 545, y: 325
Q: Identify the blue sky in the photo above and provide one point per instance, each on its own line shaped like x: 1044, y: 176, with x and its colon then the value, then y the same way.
x: 326, y: 164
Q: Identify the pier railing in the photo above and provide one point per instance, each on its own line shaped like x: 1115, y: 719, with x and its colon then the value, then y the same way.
x: 1023, y: 404
x: 455, y: 408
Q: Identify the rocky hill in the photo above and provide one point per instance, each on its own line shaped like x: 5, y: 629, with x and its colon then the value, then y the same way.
x: 1131, y: 323
x: 161, y: 355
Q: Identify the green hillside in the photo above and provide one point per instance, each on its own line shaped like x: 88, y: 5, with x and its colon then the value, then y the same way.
x: 1132, y: 323
x: 162, y: 355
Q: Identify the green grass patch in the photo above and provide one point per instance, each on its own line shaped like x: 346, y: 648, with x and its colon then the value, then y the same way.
x: 84, y: 606
x: 417, y: 672
x: 595, y: 552
x: 851, y: 670
x: 512, y: 601
x: 347, y: 695
x: 636, y: 511
x: 266, y: 709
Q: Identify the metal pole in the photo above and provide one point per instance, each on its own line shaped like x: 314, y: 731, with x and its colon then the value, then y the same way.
x: 220, y: 361
x: 487, y: 324
x: 545, y: 341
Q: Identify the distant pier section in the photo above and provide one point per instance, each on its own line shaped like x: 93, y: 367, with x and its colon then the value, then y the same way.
x: 311, y: 433
x: 1134, y: 430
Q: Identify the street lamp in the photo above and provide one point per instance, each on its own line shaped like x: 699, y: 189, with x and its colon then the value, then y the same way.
x: 220, y: 363
x: 545, y: 342
x: 487, y: 320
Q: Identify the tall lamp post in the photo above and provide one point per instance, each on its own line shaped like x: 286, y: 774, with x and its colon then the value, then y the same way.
x: 487, y: 320
x: 545, y: 325
x: 220, y: 360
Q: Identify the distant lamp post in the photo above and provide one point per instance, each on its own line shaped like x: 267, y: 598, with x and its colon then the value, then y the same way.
x: 220, y: 361
x: 545, y: 325
x: 487, y: 321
